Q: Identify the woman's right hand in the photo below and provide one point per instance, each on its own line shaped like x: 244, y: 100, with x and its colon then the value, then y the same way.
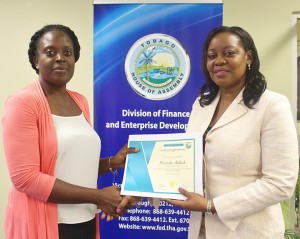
x: 193, y: 202
x: 127, y: 203
x: 108, y: 200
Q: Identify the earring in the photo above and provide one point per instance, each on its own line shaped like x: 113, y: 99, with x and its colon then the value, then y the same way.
x: 249, y: 67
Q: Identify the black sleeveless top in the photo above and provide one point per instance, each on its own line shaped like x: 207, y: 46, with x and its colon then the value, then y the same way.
x: 204, y: 136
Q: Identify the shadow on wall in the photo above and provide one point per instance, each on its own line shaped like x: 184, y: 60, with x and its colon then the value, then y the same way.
x: 298, y: 88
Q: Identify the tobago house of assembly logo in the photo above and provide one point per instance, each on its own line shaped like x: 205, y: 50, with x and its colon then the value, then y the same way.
x: 157, y: 66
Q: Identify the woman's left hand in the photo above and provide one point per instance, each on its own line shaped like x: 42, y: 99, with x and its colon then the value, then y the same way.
x: 118, y: 161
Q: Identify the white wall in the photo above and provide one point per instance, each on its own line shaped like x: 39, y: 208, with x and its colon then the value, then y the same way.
x: 268, y: 21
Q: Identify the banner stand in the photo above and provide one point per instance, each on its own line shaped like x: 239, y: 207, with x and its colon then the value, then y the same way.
x: 146, y: 78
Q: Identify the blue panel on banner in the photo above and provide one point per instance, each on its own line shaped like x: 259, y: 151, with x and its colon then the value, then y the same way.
x: 146, y: 78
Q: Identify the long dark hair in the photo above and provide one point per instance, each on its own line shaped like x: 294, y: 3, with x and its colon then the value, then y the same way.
x: 255, y: 81
x: 48, y: 28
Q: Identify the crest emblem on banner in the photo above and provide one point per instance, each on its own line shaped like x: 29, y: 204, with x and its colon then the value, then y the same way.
x: 157, y: 66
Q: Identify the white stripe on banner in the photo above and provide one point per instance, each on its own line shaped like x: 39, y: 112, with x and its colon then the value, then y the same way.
x: 155, y: 1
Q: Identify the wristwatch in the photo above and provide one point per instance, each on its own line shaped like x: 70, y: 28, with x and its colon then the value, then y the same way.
x: 208, y: 208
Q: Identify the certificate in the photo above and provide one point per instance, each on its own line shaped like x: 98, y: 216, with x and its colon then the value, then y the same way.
x: 164, y: 163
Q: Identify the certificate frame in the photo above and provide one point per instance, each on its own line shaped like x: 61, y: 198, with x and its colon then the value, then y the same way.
x: 164, y: 163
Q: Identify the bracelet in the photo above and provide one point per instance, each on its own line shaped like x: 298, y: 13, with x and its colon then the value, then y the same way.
x: 208, y: 207
x: 114, y: 172
x: 109, y: 167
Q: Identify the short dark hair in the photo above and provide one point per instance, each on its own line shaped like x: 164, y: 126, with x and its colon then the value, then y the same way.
x: 255, y: 81
x: 48, y: 28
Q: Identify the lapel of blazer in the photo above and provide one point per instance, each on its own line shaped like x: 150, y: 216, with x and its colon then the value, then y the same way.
x: 235, y: 110
x: 207, y: 113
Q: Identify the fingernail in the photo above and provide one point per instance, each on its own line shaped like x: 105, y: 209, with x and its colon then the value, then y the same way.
x: 118, y: 210
x: 180, y: 189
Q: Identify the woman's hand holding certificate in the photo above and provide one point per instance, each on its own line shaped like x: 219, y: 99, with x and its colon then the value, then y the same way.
x: 164, y: 163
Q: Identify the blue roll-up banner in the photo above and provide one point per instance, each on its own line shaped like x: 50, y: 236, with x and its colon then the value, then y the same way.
x: 146, y: 77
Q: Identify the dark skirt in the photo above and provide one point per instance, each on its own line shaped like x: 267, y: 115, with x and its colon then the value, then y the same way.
x: 85, y: 230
